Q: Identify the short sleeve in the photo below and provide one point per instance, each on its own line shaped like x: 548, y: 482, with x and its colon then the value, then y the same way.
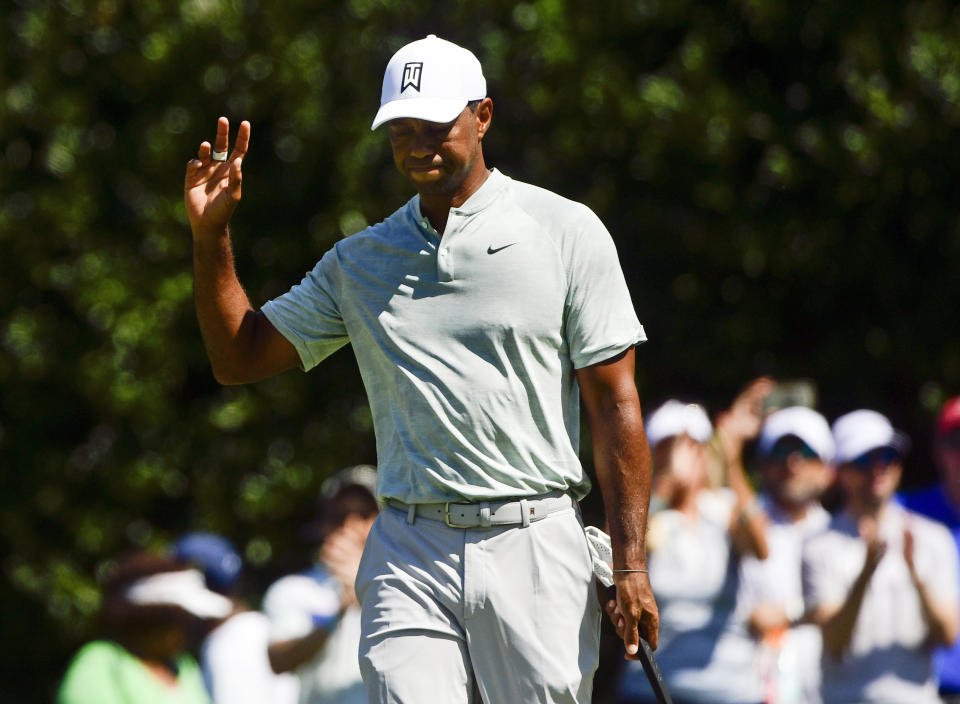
x: 600, y: 320
x: 299, y: 604
x: 938, y: 569
x: 235, y: 664
x: 90, y: 677
x: 308, y: 315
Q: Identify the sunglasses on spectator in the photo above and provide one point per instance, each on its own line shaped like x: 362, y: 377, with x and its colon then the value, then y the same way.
x: 789, y: 446
x: 882, y: 455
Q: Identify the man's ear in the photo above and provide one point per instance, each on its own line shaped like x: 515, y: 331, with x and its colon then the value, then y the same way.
x: 484, y: 115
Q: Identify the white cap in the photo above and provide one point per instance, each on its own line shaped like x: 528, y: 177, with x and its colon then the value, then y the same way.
x: 676, y: 418
x: 802, y: 422
x: 858, y: 432
x: 184, y: 588
x: 430, y: 79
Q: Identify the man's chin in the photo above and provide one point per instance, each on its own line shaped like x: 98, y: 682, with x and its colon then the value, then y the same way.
x: 429, y: 183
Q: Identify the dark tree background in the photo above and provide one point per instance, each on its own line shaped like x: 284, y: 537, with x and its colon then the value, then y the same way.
x: 779, y: 178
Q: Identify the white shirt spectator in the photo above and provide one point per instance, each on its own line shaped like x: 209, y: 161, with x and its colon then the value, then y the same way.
x: 889, y: 660
x: 705, y: 652
x: 236, y: 669
x: 297, y: 605
x: 777, y: 581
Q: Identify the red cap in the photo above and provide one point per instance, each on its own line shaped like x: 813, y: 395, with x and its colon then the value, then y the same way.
x: 949, y: 416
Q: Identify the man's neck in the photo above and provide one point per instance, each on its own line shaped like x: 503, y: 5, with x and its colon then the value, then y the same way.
x: 795, y: 511
x: 863, y: 509
x: 436, y: 206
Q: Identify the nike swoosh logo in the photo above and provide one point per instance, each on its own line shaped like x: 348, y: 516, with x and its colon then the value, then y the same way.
x: 491, y: 250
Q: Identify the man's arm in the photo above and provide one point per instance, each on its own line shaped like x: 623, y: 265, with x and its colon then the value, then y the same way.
x: 622, y: 459
x: 836, y: 623
x: 288, y: 655
x: 941, y: 618
x: 734, y: 428
x: 242, y: 345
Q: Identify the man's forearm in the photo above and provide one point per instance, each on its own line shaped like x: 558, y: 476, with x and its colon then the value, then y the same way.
x: 941, y: 618
x: 622, y: 459
x: 288, y: 655
x: 837, y: 628
x: 748, y: 527
x: 223, y: 309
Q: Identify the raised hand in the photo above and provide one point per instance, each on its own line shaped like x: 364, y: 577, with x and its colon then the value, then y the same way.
x: 211, y: 188
x: 908, y: 549
x: 876, y: 547
x: 743, y: 419
x: 341, y: 553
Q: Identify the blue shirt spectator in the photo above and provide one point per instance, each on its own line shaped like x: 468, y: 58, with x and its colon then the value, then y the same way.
x: 942, y: 503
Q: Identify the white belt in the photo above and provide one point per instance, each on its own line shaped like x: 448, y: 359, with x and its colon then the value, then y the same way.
x: 485, y: 514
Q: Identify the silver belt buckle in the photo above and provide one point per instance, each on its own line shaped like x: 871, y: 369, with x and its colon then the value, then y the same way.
x: 446, y: 517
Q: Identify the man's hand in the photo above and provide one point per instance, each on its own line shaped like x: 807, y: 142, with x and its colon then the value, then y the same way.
x: 341, y: 554
x: 633, y: 612
x: 908, y: 552
x: 876, y: 547
x: 741, y: 422
x: 211, y: 189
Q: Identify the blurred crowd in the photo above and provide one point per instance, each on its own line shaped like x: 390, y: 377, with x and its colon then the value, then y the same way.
x: 788, y: 567
x: 822, y: 585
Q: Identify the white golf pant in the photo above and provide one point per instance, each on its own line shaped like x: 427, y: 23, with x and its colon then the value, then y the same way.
x: 509, y: 612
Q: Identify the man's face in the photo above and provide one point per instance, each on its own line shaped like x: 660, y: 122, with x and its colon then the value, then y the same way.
x: 437, y: 157
x: 872, y: 478
x: 794, y: 474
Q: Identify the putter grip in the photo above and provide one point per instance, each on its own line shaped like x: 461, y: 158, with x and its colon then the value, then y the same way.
x: 653, y: 673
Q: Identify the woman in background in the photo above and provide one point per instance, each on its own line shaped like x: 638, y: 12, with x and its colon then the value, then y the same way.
x: 152, y: 604
x: 694, y: 544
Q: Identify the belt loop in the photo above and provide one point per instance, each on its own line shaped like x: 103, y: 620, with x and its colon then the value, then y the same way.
x: 411, y: 513
x: 524, y: 513
x: 485, y: 514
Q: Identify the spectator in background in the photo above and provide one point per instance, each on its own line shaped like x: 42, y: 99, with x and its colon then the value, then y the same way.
x: 314, y: 616
x: 151, y: 605
x: 794, y: 449
x: 942, y: 503
x: 233, y: 656
x: 705, y: 652
x: 734, y: 427
x: 881, y: 582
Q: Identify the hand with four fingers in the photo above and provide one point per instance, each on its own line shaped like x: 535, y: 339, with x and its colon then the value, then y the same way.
x: 211, y: 188
x: 633, y: 612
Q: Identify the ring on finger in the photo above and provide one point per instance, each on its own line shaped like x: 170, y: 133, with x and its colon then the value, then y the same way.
x: 218, y: 156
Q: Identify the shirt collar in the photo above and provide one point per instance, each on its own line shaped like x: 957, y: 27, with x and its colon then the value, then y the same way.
x: 485, y: 195
x: 480, y: 199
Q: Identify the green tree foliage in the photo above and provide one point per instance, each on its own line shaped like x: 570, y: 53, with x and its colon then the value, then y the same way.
x: 778, y: 177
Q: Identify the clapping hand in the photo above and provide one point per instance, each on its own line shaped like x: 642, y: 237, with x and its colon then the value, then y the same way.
x: 876, y: 547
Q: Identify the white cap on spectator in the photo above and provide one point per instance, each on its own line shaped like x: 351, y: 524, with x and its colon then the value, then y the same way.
x: 859, y: 432
x: 676, y: 418
x: 430, y: 79
x: 184, y: 588
x: 802, y: 422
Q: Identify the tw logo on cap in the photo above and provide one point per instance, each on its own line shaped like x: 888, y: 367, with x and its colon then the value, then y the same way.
x: 412, y: 71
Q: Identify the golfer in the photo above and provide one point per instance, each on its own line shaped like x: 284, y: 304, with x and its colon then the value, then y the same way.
x: 475, y: 311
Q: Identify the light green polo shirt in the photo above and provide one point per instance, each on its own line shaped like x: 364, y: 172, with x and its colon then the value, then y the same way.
x: 103, y: 672
x: 468, y: 343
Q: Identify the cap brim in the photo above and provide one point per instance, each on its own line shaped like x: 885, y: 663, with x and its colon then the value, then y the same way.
x: 183, y: 588
x: 440, y: 110
x: 898, y: 442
